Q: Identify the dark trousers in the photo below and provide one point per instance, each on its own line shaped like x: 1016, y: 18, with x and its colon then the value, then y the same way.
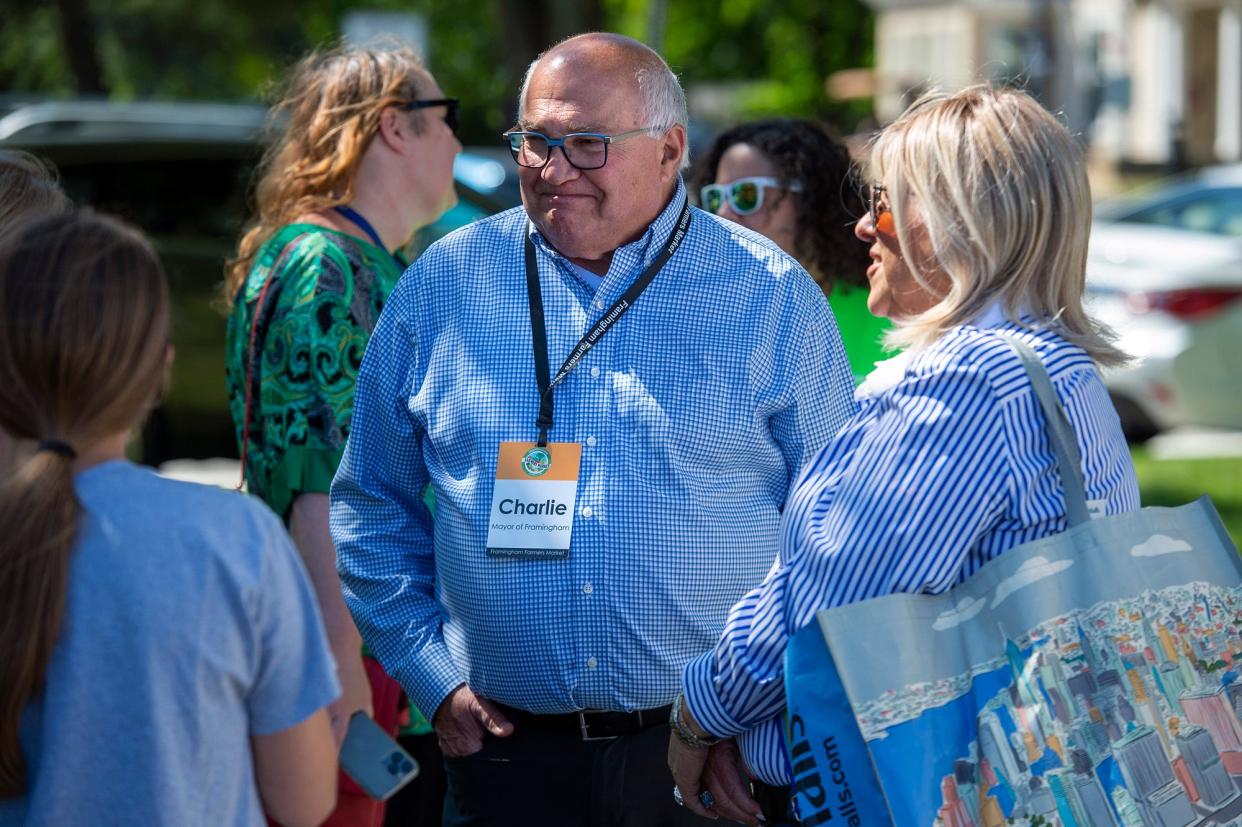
x: 538, y: 777
x: 421, y: 802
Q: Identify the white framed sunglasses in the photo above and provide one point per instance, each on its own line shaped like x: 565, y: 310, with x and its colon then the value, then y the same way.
x: 744, y: 196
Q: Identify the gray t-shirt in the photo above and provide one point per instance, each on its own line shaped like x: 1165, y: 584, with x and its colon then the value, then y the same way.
x: 190, y: 626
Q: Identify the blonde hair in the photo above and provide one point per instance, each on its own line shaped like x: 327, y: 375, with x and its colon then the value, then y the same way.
x: 999, y: 187
x: 85, y: 323
x: 329, y: 113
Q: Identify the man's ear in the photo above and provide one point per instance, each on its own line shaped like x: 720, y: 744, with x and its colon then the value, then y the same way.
x: 394, y: 129
x: 672, y: 149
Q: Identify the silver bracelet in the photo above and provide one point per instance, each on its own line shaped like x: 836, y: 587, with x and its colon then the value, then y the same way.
x: 683, y: 732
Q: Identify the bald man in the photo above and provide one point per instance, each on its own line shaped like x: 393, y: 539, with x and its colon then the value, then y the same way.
x: 610, y: 393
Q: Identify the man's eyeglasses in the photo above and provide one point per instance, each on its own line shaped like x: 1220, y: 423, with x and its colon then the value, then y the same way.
x: 881, y: 215
x: 583, y: 150
x: 451, y: 108
x: 744, y: 196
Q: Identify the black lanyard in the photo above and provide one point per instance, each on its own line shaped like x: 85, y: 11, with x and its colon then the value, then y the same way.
x: 539, y: 333
x: 356, y: 217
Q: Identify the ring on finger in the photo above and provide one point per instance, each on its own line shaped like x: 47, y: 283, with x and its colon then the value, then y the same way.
x: 707, y: 799
x: 677, y: 797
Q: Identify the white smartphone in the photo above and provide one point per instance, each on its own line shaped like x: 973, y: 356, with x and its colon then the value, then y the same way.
x: 374, y: 760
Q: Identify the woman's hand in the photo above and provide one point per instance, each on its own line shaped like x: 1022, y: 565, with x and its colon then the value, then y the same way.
x: 726, y: 779
x: 687, y: 763
x: 355, y: 693
x: 711, y: 780
x: 716, y: 770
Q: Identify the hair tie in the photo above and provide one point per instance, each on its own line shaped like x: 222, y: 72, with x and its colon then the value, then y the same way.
x: 56, y: 446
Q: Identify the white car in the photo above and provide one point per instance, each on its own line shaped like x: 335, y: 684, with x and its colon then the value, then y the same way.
x: 1165, y: 272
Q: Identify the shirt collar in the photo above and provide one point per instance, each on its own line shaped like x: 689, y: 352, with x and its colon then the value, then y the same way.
x: 889, y: 372
x: 642, y: 247
x: 992, y: 316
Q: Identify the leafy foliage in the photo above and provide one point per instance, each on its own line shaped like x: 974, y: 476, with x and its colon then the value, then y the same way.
x: 773, y: 58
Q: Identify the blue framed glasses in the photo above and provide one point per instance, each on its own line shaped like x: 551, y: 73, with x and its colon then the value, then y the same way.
x: 583, y: 150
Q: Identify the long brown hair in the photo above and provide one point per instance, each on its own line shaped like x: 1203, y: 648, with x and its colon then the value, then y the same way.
x: 84, y: 320
x: 329, y: 114
x: 28, y: 188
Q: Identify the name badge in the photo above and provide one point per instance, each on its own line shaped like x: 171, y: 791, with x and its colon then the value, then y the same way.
x: 533, y: 500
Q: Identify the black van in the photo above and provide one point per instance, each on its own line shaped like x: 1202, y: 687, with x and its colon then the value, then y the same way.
x: 182, y: 172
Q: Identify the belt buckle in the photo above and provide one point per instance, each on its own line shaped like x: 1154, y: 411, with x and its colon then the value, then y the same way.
x: 585, y: 729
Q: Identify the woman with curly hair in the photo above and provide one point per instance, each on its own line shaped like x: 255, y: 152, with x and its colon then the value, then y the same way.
x: 364, y: 157
x: 788, y: 180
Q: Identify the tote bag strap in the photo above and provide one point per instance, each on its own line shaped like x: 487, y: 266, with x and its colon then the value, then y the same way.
x: 1060, y: 431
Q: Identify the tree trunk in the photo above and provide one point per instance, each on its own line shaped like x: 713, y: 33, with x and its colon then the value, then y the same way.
x: 77, y: 33
x: 531, y: 26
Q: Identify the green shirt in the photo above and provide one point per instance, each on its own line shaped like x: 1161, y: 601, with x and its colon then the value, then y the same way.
x: 325, y: 295
x: 861, y: 332
x: 326, y: 292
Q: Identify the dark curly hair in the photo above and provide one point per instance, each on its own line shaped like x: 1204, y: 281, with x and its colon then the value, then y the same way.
x: 829, y: 204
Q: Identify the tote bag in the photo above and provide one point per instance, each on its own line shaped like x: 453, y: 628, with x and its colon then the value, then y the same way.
x: 1088, y: 679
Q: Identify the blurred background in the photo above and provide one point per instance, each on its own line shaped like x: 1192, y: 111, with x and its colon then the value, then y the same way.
x: 154, y: 109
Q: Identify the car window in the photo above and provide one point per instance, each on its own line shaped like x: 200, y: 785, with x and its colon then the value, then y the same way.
x: 1216, y: 211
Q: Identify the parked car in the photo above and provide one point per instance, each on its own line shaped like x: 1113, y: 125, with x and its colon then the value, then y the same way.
x: 1165, y: 272
x: 181, y: 171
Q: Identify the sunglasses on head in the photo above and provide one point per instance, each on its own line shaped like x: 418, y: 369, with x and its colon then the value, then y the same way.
x: 744, y: 196
x: 451, y: 108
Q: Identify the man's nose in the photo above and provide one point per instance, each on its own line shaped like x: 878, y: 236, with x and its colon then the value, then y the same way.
x: 558, y: 170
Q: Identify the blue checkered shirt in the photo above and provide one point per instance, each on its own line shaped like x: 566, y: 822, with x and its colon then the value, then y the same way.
x: 695, y: 413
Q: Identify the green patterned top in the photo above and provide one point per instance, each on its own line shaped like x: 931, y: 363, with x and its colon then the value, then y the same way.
x: 327, y: 290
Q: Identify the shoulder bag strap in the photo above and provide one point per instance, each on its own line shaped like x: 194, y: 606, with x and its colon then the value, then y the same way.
x: 1069, y: 463
x: 287, y: 236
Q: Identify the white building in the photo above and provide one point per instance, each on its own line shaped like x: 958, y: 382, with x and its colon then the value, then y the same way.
x: 1145, y: 82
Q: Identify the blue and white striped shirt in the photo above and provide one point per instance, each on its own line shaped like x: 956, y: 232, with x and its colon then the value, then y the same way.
x: 695, y: 414
x: 934, y: 477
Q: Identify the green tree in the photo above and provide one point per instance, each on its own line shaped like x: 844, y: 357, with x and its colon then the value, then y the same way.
x: 776, y: 55
x: 779, y: 54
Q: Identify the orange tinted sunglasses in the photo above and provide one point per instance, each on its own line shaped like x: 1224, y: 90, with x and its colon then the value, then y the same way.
x: 881, y: 216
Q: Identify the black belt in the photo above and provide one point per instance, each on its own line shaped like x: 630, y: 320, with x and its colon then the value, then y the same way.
x: 590, y: 725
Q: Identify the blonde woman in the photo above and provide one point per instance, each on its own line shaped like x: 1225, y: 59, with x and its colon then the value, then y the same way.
x: 978, y: 223
x: 364, y: 158
x: 164, y: 659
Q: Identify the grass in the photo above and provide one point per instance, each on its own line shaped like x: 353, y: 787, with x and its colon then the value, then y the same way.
x: 1178, y: 481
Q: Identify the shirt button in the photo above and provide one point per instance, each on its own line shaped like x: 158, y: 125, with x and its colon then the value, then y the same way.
x: 587, y: 511
x: 592, y: 663
x: 595, y: 373
x: 599, y: 305
x: 587, y: 588
x: 590, y: 442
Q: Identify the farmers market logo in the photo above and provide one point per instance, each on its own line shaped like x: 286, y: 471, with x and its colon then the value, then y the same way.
x: 536, y: 462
